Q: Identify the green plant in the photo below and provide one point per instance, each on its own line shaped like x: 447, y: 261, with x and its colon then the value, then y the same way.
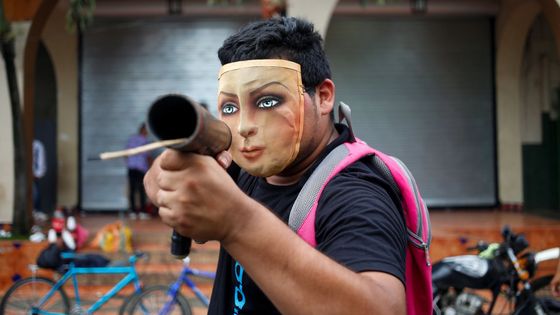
x: 79, y: 15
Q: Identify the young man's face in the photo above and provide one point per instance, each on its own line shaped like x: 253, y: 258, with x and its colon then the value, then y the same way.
x: 262, y: 103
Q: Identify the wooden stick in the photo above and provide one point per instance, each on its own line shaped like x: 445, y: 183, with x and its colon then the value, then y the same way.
x: 140, y: 149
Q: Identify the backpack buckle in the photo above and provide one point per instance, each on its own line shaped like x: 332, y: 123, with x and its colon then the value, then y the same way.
x: 345, y: 113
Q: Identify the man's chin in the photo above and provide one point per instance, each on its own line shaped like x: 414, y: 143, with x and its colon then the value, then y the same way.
x: 262, y: 171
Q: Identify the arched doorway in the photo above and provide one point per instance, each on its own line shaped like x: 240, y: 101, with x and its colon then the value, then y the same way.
x: 540, y: 93
x: 45, y: 126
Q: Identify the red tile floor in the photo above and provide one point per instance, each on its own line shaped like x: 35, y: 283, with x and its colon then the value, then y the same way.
x: 451, y: 229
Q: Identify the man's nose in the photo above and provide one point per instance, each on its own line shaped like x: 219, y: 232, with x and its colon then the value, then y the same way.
x: 247, y: 126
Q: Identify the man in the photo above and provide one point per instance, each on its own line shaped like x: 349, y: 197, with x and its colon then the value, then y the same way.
x: 39, y: 170
x: 137, y: 166
x: 282, y: 127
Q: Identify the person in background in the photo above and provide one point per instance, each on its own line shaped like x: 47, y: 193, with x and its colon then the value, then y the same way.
x: 62, y: 229
x: 39, y: 170
x: 137, y: 166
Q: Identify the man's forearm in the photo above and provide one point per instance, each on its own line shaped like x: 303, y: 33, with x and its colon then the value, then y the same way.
x: 299, y: 279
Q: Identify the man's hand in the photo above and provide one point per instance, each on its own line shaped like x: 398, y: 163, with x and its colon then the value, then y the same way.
x: 194, y: 194
x: 555, y: 283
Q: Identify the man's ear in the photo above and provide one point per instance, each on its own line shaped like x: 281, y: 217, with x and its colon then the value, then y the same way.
x: 325, y: 93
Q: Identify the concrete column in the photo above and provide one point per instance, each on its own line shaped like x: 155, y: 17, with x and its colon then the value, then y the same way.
x: 318, y: 12
x: 63, y: 48
x: 20, y: 30
x: 514, y: 22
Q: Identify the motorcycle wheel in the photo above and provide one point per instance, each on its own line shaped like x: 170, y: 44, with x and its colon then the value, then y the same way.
x: 441, y: 301
x: 543, y: 293
x: 446, y: 303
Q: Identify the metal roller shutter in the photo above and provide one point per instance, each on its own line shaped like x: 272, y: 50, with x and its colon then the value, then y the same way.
x: 126, y: 65
x: 422, y: 89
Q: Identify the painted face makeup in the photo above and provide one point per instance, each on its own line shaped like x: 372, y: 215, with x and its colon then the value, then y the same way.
x: 262, y: 103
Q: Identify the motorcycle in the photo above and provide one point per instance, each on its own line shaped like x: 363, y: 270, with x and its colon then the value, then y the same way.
x: 462, y: 284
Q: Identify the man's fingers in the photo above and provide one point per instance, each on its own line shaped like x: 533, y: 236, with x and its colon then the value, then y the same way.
x: 556, y: 289
x: 166, y: 215
x: 224, y: 159
x: 173, y: 160
x: 162, y: 199
x: 169, y: 217
x: 150, y: 185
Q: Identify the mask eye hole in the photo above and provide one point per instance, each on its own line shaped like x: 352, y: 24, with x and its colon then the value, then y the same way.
x: 268, y: 102
x: 229, y: 109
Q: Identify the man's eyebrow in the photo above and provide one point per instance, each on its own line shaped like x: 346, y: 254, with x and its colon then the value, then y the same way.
x: 266, y: 85
x: 228, y: 94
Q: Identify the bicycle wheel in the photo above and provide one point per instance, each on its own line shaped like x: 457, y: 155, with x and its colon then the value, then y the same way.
x: 26, y: 293
x: 128, y: 301
x: 543, y: 293
x: 153, y: 299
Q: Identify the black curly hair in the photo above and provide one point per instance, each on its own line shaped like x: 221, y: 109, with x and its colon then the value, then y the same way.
x: 287, y: 38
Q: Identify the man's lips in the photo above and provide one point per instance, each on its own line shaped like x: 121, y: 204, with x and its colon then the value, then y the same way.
x: 251, y: 152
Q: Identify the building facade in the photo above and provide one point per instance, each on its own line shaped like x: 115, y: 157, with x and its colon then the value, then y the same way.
x: 466, y: 93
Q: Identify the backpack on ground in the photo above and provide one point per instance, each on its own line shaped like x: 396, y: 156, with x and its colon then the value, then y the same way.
x: 418, y: 274
x: 50, y: 258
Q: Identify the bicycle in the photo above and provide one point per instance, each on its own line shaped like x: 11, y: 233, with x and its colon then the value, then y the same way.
x: 40, y: 295
x: 162, y: 300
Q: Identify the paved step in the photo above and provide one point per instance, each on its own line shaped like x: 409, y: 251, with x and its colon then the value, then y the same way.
x: 450, y: 229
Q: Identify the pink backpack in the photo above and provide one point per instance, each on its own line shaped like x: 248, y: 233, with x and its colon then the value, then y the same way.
x: 418, y: 275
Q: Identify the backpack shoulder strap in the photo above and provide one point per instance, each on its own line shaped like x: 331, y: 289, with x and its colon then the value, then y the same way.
x: 302, y: 215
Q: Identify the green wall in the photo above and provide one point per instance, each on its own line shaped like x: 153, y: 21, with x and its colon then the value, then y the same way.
x: 541, y: 172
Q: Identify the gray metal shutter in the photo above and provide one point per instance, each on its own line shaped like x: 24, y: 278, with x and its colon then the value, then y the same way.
x: 126, y: 65
x: 421, y: 89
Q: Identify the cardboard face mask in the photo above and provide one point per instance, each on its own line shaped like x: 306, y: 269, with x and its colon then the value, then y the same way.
x: 262, y: 103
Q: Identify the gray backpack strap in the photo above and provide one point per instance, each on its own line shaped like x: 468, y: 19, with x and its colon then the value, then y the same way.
x: 386, y: 173
x: 345, y: 113
x: 310, y: 191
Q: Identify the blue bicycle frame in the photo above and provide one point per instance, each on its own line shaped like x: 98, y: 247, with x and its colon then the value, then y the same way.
x: 184, y: 278
x: 73, y: 272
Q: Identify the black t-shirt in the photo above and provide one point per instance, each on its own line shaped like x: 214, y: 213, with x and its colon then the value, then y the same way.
x: 359, y: 224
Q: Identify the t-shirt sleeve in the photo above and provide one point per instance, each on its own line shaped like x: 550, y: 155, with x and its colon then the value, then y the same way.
x: 359, y: 225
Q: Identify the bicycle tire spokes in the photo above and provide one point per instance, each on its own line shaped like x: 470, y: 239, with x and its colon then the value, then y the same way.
x: 38, y: 295
x: 25, y: 295
x: 159, y: 300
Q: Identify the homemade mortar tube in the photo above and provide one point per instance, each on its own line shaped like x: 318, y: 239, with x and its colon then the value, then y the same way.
x: 176, y: 116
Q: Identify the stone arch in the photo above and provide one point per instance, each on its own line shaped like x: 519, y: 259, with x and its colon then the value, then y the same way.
x: 30, y: 56
x: 551, y: 11
x: 514, y: 23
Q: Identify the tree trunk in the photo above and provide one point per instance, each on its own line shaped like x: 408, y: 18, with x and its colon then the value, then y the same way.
x: 21, y: 223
